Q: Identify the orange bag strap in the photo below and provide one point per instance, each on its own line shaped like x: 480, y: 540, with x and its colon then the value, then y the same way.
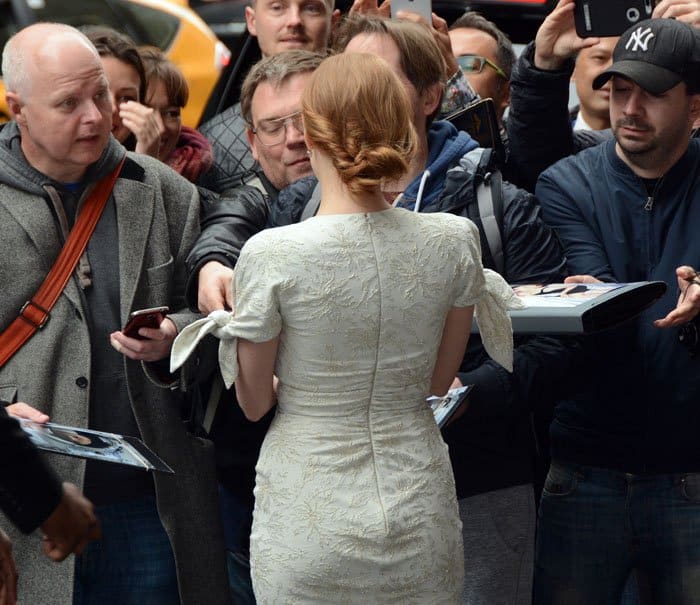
x: 36, y: 311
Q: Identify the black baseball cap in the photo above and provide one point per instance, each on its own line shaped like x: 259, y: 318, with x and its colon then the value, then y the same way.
x: 656, y: 54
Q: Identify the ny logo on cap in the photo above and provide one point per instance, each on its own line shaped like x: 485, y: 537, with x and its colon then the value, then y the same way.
x: 639, y: 39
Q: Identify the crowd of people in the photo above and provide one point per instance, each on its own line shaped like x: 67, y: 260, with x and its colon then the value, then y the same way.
x: 323, y: 248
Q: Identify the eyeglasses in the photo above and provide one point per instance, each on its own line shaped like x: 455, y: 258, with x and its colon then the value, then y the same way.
x: 274, y: 132
x: 475, y: 64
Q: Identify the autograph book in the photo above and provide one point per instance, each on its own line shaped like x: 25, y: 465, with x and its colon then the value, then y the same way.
x: 96, y: 445
x: 581, y: 308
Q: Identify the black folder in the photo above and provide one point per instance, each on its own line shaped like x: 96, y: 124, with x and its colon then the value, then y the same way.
x: 581, y: 308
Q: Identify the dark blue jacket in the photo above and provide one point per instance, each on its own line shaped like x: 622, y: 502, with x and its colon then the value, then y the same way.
x: 640, y: 409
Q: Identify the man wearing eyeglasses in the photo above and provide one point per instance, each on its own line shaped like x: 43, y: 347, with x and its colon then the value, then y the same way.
x: 275, y: 131
x: 277, y: 27
x: 486, y: 56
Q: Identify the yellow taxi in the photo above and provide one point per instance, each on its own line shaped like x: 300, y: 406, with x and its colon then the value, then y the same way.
x: 168, y: 24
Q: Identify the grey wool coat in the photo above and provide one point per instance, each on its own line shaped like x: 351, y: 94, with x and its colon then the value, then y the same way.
x: 157, y: 216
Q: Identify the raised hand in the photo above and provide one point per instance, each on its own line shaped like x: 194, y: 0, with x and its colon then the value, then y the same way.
x: 371, y: 7
x: 557, y: 40
x: 683, y: 10
x: 146, y: 124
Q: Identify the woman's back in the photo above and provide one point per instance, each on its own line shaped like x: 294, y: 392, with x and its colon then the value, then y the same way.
x: 354, y: 481
x: 363, y: 298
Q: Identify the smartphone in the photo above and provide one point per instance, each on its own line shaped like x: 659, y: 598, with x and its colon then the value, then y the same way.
x: 144, y: 318
x: 422, y: 7
x: 600, y: 18
x: 478, y: 119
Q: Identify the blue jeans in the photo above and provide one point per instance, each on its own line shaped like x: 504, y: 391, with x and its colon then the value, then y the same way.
x: 132, y: 564
x: 237, y: 517
x: 596, y: 525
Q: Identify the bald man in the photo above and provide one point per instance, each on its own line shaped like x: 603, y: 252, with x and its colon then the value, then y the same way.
x: 162, y: 541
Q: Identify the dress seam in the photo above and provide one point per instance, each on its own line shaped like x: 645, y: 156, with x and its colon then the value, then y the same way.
x: 374, y: 380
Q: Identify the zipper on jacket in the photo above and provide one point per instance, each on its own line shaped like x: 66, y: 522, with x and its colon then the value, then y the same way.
x: 648, y: 207
x: 652, y: 196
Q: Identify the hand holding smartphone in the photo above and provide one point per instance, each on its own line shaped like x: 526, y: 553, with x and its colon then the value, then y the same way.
x: 422, y: 7
x: 144, y: 318
x: 601, y: 18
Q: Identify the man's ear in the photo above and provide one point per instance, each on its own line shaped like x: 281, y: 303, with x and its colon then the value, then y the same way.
x: 505, y: 99
x: 250, y: 20
x: 250, y: 135
x: 695, y: 107
x: 14, y: 104
x: 431, y: 97
x: 695, y: 111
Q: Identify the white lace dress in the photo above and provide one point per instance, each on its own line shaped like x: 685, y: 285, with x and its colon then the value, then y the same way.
x: 354, y: 499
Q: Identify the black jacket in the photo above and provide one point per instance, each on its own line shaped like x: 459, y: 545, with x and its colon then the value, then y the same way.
x: 29, y: 490
x: 226, y: 132
x: 228, y: 219
x: 539, y: 126
x: 491, y: 444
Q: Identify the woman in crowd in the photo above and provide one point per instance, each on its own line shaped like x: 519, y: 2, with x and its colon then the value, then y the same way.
x: 135, y: 125
x: 182, y: 148
x: 361, y: 311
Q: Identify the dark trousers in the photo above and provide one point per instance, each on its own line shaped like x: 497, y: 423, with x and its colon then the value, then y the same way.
x: 237, y: 516
x: 132, y: 564
x: 597, y: 525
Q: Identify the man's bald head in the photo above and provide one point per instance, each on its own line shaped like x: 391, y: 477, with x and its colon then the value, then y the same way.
x: 29, y: 48
x: 58, y: 96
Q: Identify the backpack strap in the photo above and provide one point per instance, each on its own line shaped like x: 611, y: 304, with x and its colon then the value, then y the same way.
x: 217, y: 389
x: 486, y: 210
x: 489, y: 197
x: 311, y: 207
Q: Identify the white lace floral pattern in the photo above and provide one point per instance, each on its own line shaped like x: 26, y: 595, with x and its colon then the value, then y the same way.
x: 354, y: 499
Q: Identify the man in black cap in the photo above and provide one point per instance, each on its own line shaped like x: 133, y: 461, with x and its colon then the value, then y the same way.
x: 623, y: 491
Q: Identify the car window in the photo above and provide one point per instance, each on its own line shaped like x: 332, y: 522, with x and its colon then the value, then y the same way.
x: 156, y: 27
x: 142, y: 23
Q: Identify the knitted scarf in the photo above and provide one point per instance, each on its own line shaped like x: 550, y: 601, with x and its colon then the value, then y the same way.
x: 192, y: 155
